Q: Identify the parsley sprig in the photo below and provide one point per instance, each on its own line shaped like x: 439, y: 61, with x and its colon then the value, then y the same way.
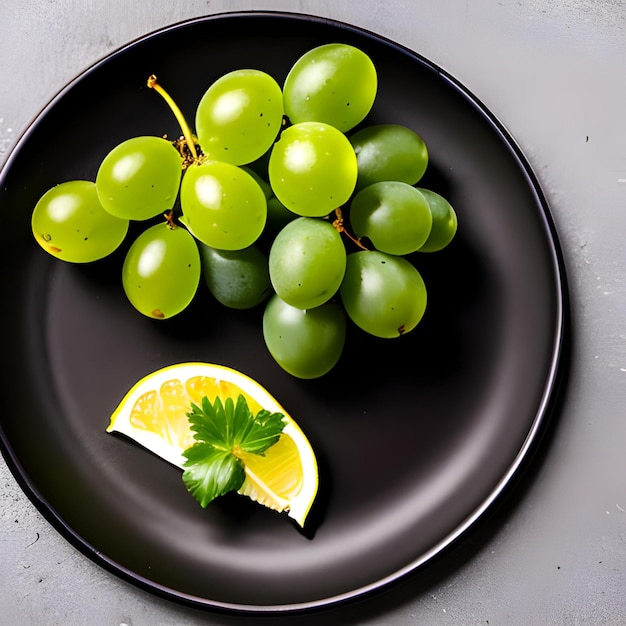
x: 223, y: 431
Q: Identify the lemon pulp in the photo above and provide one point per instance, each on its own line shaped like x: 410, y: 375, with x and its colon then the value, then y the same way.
x: 154, y: 414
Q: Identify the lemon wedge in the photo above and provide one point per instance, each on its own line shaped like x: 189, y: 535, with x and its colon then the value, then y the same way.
x: 154, y: 414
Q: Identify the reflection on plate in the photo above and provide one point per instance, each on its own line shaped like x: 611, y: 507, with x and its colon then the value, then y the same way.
x: 416, y: 437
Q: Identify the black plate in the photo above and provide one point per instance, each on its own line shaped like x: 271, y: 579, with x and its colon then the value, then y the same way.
x: 416, y: 437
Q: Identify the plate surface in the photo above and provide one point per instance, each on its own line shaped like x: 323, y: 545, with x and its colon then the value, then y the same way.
x: 416, y: 437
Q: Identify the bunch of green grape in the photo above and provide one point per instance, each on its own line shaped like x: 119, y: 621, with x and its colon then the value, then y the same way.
x: 284, y: 197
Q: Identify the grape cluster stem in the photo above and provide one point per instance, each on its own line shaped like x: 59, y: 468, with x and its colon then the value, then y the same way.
x: 169, y: 219
x: 187, y: 134
x: 338, y: 224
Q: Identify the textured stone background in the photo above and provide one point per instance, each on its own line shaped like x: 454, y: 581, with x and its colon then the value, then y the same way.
x: 553, y: 71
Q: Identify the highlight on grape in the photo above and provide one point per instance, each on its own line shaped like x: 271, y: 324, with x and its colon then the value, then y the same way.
x: 284, y: 197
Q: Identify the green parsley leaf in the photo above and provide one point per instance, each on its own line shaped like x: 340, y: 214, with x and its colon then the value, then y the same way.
x: 222, y: 432
x: 210, y: 472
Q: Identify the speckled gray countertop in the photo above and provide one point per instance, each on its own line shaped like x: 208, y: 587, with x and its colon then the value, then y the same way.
x: 554, y: 73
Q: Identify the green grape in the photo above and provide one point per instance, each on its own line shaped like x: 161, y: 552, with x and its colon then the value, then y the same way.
x: 239, y: 116
x: 389, y: 152
x: 238, y: 279
x: 312, y: 169
x: 306, y: 344
x: 69, y: 223
x: 307, y: 262
x: 393, y: 215
x: 383, y: 294
x: 139, y: 178
x: 222, y: 205
x: 334, y: 83
x: 261, y: 164
x: 161, y: 271
x: 278, y: 216
x: 444, y: 222
x: 263, y: 184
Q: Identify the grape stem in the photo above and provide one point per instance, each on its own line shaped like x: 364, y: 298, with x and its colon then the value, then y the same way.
x: 169, y: 220
x: 153, y: 84
x: 338, y: 224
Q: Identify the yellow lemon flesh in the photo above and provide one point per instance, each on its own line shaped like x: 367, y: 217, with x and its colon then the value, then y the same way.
x: 154, y: 414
